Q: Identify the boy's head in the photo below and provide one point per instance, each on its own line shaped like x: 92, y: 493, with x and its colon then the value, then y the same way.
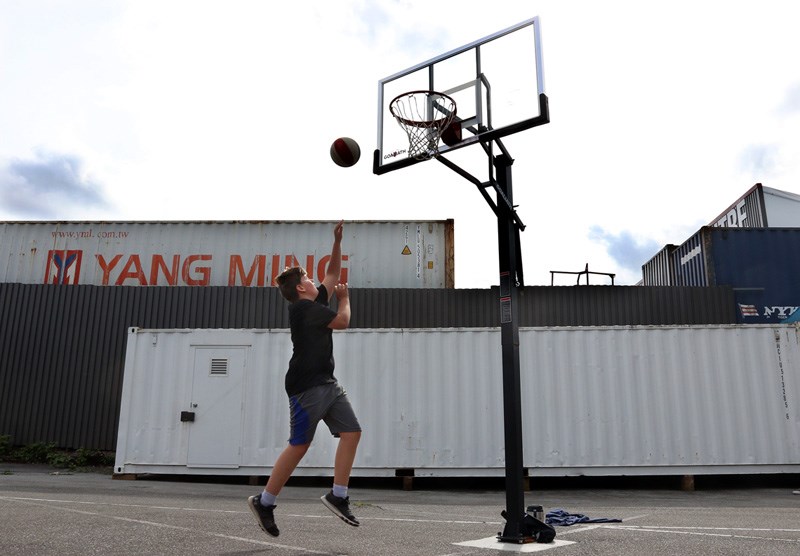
x: 294, y: 282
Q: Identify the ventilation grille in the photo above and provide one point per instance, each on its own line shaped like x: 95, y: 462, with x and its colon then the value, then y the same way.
x: 219, y: 367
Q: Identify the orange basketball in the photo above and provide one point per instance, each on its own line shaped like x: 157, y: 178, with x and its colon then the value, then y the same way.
x: 451, y: 135
x: 345, y: 152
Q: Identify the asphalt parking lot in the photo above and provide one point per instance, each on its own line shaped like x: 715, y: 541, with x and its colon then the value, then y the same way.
x: 43, y: 511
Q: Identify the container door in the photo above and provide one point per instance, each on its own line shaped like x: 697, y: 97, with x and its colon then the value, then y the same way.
x: 216, y: 404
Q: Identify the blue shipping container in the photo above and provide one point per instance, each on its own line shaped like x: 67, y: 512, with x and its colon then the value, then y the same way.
x: 660, y: 270
x: 761, y: 264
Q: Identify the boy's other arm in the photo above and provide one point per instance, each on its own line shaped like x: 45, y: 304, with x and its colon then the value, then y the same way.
x: 342, y: 318
x: 335, y: 263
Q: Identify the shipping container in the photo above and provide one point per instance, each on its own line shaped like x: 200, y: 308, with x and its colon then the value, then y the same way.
x: 391, y: 254
x: 660, y: 270
x: 761, y: 207
x: 596, y: 401
x: 762, y: 265
x: 62, y: 349
x: 689, y: 262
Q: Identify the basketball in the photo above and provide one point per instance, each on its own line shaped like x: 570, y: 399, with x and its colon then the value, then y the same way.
x: 451, y: 135
x: 345, y: 152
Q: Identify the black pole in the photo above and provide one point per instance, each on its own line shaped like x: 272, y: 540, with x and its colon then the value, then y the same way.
x: 508, y: 239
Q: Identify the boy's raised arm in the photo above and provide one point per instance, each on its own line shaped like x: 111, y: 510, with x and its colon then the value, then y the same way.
x: 334, y: 270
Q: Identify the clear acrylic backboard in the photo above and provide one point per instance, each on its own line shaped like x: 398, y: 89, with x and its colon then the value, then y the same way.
x: 497, y: 83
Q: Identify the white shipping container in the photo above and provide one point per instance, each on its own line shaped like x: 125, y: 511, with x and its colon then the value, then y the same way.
x: 761, y: 207
x: 596, y: 401
x: 391, y: 254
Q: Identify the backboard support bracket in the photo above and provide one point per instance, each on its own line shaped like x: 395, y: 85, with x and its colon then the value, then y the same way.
x: 484, y: 138
x: 482, y: 188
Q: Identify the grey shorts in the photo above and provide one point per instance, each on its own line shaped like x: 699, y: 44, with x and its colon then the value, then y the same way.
x: 327, y: 402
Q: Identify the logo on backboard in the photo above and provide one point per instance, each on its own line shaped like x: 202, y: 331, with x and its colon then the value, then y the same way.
x: 394, y: 154
x: 63, y: 266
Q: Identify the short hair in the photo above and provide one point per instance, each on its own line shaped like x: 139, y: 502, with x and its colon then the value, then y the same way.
x: 288, y: 280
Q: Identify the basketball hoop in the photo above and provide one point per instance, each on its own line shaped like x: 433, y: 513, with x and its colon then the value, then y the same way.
x: 423, y: 115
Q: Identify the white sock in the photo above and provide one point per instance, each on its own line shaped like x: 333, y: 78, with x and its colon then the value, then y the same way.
x: 267, y: 499
x: 340, y: 491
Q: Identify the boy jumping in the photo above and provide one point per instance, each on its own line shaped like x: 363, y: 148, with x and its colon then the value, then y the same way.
x: 314, y: 394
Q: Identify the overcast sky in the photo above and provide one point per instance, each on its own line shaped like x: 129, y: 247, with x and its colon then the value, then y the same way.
x: 662, y: 115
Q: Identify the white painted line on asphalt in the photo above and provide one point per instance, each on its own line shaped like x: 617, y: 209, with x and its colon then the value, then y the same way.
x: 560, y: 531
x: 446, y: 521
x: 183, y: 509
x: 705, y: 533
x: 118, y: 505
x: 751, y: 529
x: 38, y: 502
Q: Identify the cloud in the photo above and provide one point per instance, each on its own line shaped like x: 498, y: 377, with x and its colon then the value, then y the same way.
x: 373, y: 20
x: 771, y: 158
x: 625, y: 249
x: 396, y: 27
x: 759, y: 160
x: 51, y: 185
x: 791, y: 104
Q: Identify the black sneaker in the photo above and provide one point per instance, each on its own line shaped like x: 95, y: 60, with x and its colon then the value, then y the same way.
x: 340, y: 507
x: 264, y: 515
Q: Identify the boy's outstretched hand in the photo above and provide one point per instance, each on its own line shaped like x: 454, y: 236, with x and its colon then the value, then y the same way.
x: 342, y: 318
x: 341, y: 291
x: 337, y: 231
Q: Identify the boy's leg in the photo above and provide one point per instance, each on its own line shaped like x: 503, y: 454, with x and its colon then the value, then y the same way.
x: 342, y: 422
x: 263, y: 505
x: 302, y: 421
x: 305, y: 411
x: 345, y: 455
x: 284, y: 467
x: 337, y: 500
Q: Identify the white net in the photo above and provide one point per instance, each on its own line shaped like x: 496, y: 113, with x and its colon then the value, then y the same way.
x: 423, y: 115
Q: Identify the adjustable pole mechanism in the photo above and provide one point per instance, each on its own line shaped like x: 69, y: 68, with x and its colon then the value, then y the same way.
x: 508, y: 238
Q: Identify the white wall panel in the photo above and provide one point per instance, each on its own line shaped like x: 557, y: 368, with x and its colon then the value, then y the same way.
x: 652, y: 397
x: 604, y: 400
